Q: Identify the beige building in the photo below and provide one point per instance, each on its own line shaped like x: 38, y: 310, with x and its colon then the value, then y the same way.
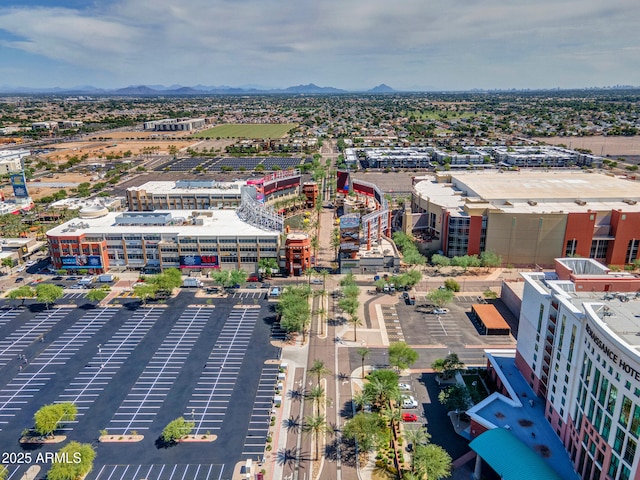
x: 528, y: 217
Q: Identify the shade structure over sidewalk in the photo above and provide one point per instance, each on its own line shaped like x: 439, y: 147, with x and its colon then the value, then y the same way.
x: 511, y: 458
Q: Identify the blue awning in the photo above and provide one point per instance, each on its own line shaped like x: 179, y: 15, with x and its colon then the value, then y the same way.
x: 510, y: 458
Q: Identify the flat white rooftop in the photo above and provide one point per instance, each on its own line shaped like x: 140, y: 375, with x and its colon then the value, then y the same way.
x: 173, y: 188
x: 534, y: 191
x: 215, y: 223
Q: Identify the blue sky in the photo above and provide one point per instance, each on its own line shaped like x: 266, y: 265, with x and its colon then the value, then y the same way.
x: 350, y: 44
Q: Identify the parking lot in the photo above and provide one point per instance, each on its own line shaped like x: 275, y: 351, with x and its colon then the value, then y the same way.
x: 435, y: 335
x: 128, y: 367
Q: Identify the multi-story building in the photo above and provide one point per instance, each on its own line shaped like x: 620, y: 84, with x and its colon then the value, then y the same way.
x: 297, y: 253
x: 175, y: 124
x: 11, y: 160
x: 578, y: 351
x: 185, y: 239
x: 528, y: 217
x: 184, y: 194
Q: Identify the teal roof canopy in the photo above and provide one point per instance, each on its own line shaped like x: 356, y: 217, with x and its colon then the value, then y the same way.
x: 510, y: 458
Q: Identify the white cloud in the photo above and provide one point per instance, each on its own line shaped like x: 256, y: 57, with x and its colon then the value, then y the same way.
x: 282, y: 42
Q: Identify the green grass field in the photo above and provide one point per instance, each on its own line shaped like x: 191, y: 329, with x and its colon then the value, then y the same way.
x: 275, y: 130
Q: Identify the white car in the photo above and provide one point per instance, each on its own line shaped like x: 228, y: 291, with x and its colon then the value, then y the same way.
x: 440, y: 311
x: 404, y: 386
x: 409, y: 402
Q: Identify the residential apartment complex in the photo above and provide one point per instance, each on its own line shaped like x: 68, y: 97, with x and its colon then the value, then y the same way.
x: 578, y: 351
x: 470, y: 157
x: 528, y: 217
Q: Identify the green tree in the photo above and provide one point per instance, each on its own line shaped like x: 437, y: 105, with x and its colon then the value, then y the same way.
x: 368, y: 430
x: 447, y: 367
x: 319, y: 369
x: 176, y: 429
x: 440, y: 260
x: 81, y: 457
x: 335, y: 241
x: 48, y: 417
x: 294, y: 310
x: 4, y: 472
x: 451, y: 284
x: 431, y: 462
x: 401, y: 355
x: 97, y: 294
x: 22, y: 293
x: 145, y: 291
x: 381, y: 388
x: 455, y: 397
x: 440, y: 297
x: 351, y: 291
x: 48, y: 293
x: 7, y: 262
x: 268, y: 266
x: 490, y: 258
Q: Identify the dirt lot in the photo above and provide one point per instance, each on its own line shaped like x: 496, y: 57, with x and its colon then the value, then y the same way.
x: 36, y: 190
x: 605, y: 146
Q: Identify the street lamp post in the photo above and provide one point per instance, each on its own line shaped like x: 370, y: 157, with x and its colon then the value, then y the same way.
x: 100, y: 353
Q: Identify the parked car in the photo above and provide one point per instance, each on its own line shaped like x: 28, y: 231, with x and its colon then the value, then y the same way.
x: 409, y: 402
x: 253, y: 278
x: 404, y: 386
x: 19, y: 279
x: 440, y: 311
x: 409, y: 417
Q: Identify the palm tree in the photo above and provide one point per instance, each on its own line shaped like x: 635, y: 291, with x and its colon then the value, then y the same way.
x: 321, y: 312
x: 364, y: 352
x: 317, y: 395
x: 319, y: 369
x: 353, y: 319
x: 316, y: 425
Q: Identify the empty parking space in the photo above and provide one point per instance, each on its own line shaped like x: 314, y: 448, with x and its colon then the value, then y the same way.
x: 442, y: 326
x: 7, y: 314
x: 21, y: 390
x: 15, y: 343
x: 160, y: 472
x: 261, y: 413
x: 90, y: 383
x: 74, y: 295
x: 392, y: 323
x: 249, y: 295
x: 210, y: 398
x: 145, y: 398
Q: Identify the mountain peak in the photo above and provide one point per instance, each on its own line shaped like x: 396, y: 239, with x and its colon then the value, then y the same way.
x: 382, y: 88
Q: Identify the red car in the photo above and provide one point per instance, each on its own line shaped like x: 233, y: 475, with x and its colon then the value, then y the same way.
x: 409, y: 417
x: 253, y: 278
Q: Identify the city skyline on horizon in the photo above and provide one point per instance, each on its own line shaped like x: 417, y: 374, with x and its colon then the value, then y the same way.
x: 414, y: 46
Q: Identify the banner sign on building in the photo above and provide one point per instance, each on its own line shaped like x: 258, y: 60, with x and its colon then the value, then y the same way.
x: 19, y: 184
x: 199, y: 261
x: 81, y: 261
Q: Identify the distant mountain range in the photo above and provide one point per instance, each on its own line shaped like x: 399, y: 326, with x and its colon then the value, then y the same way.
x: 155, y: 90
